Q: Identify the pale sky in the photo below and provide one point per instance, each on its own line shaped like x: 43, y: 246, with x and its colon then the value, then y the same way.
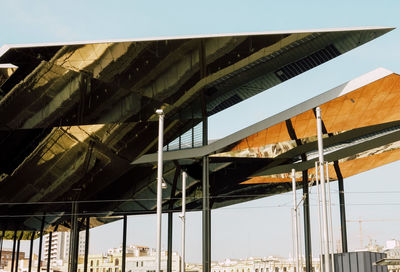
x: 262, y: 227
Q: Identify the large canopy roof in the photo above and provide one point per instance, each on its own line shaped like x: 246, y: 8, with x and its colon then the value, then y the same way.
x: 361, y: 129
x: 74, y: 116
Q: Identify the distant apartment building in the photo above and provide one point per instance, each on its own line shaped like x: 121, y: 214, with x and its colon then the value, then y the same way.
x: 6, y: 257
x: 23, y: 262
x: 270, y: 264
x: 59, y: 249
x: 138, y: 259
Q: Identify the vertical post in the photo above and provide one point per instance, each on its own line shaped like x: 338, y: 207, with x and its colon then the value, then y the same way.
x: 124, y: 243
x: 169, y: 257
x: 40, y: 243
x: 330, y: 216
x: 87, y: 229
x: 13, y: 251
x: 171, y: 217
x: 307, y: 226
x: 17, y: 256
x: 183, y: 217
x: 1, y: 245
x: 206, y: 216
x: 49, y: 251
x: 31, y: 251
x: 160, y: 114
x: 74, y: 238
x: 319, y: 216
x: 343, y: 227
x: 295, y: 228
x: 323, y: 190
x: 77, y: 239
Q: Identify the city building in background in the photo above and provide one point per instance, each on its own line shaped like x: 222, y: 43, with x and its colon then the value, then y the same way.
x: 59, y: 250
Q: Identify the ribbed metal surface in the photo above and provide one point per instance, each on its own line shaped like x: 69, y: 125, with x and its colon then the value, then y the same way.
x: 359, y: 262
x: 305, y: 64
x: 191, y: 138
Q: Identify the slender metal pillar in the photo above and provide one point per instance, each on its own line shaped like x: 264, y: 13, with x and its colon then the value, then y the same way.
x: 170, y: 226
x: 160, y: 114
x: 343, y: 227
x: 18, y: 247
x: 13, y: 251
x: 49, y: 251
x: 31, y: 251
x: 206, y: 217
x: 40, y: 243
x: 86, y: 259
x: 206, y: 213
x: 171, y: 215
x: 323, y: 190
x: 74, y: 238
x: 124, y: 243
x: 319, y: 216
x: 1, y: 244
x: 77, y: 238
x: 295, y: 228
x: 183, y: 217
x: 332, y: 245
x: 307, y: 225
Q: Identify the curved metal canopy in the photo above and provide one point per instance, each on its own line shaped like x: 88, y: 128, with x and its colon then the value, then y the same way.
x: 74, y: 116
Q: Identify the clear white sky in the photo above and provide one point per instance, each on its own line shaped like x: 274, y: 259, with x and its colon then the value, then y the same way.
x: 262, y: 227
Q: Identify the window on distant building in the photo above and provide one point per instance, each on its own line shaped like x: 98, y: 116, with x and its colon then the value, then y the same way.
x: 142, y: 264
x: 284, y: 269
x: 116, y: 261
x: 91, y: 263
x: 97, y: 262
x: 116, y: 269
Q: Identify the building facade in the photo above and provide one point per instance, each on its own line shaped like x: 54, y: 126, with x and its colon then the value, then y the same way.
x: 138, y: 259
x: 59, y: 249
x: 270, y: 264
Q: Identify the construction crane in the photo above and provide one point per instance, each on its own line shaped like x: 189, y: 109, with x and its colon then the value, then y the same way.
x: 360, y: 221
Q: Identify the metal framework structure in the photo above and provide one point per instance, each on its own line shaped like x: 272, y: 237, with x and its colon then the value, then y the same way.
x: 78, y: 127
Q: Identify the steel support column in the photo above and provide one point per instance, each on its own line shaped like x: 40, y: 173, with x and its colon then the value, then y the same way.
x: 171, y: 216
x: 40, y: 243
x: 78, y: 227
x: 124, y: 243
x: 206, y: 214
x: 169, y: 256
x: 206, y: 217
x: 307, y: 226
x: 160, y: 114
x: 17, y: 256
x: 343, y: 227
x: 49, y: 251
x: 13, y: 251
x: 31, y: 252
x: 87, y: 228
x: 73, y: 233
x: 1, y: 245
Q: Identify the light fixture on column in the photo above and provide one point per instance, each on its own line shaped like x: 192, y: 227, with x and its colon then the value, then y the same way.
x: 164, y: 184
